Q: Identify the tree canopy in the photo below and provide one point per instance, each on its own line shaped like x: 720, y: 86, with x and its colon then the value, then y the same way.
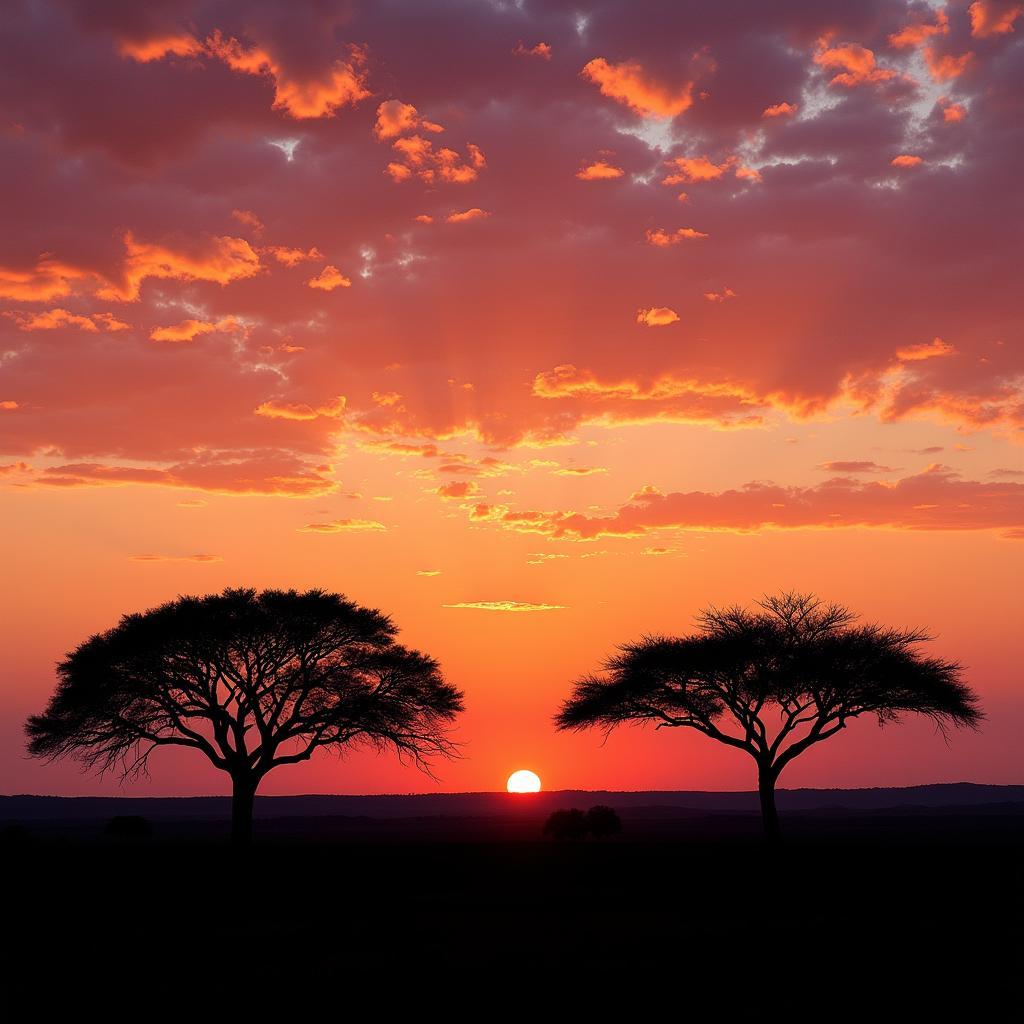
x: 251, y: 680
x: 773, y: 682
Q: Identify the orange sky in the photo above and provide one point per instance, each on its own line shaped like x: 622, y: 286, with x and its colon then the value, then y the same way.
x: 592, y: 319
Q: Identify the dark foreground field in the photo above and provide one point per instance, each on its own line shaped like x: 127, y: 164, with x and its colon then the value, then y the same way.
x: 367, y: 907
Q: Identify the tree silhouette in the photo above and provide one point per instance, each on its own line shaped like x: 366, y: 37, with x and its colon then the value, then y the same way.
x: 566, y: 824
x: 253, y: 681
x: 603, y: 821
x: 773, y: 683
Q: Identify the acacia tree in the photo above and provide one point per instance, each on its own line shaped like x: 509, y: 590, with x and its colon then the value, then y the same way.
x: 773, y: 683
x: 251, y: 680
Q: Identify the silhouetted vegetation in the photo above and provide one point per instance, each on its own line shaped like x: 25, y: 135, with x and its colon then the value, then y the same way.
x: 252, y: 681
x: 14, y: 834
x: 128, y: 826
x: 603, y: 822
x: 569, y: 824
x: 773, y: 683
x: 599, y: 822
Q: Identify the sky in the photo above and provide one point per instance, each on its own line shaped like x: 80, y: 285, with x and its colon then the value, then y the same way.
x: 538, y: 326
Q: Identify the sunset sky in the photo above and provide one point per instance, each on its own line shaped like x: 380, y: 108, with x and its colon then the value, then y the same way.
x: 538, y: 326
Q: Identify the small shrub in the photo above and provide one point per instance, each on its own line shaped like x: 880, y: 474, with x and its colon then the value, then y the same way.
x: 603, y: 821
x: 571, y: 824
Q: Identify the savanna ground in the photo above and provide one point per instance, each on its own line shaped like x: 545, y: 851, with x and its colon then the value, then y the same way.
x: 346, y: 904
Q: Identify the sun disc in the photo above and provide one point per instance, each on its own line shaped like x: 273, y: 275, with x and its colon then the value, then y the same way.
x: 524, y: 781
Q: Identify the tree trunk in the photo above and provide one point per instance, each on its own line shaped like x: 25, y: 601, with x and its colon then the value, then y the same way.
x: 242, y: 795
x: 769, y: 814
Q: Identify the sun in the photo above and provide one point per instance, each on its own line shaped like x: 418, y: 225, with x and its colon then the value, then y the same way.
x: 524, y: 781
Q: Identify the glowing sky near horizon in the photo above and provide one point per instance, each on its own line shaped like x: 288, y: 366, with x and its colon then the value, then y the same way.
x: 539, y: 326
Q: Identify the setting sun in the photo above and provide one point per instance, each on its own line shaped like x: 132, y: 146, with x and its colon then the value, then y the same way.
x: 524, y: 781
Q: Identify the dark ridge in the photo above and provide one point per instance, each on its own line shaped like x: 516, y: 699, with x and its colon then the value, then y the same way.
x: 959, y: 795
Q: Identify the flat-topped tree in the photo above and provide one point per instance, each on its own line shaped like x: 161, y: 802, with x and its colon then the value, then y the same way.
x: 253, y: 681
x: 773, y: 683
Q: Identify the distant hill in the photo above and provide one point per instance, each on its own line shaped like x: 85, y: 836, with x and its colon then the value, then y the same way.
x: 668, y: 803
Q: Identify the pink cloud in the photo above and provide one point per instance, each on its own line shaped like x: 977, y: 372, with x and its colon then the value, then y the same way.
x: 282, y: 476
x: 936, y: 499
x: 542, y: 50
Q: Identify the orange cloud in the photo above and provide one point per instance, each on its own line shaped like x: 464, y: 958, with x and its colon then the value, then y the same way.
x: 656, y: 316
x: 906, y: 160
x: 856, y: 466
x: 176, y: 558
x: 109, y: 322
x: 404, y: 449
x: 629, y: 84
x: 854, y: 65
x: 780, y: 110
x: 419, y: 158
x: 917, y: 32
x: 943, y: 67
x: 188, y: 330
x: 663, y: 238
x: 472, y: 214
x: 993, y: 17
x: 48, y: 279
x: 8, y: 406
x: 343, y: 526
x: 50, y: 320
x: 926, y: 350
x: 580, y: 470
x: 312, y: 96
x: 458, y: 489
x: 952, y: 112
x: 277, y: 410
x: 600, y: 170
x: 291, y: 257
x: 395, y: 118
x: 722, y: 296
x: 689, y: 169
x: 328, y: 279
x: 542, y: 50
x: 506, y: 606
x: 180, y: 44
x: 217, y: 259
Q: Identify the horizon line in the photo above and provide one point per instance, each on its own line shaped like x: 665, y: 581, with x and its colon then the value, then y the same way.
x: 502, y: 792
